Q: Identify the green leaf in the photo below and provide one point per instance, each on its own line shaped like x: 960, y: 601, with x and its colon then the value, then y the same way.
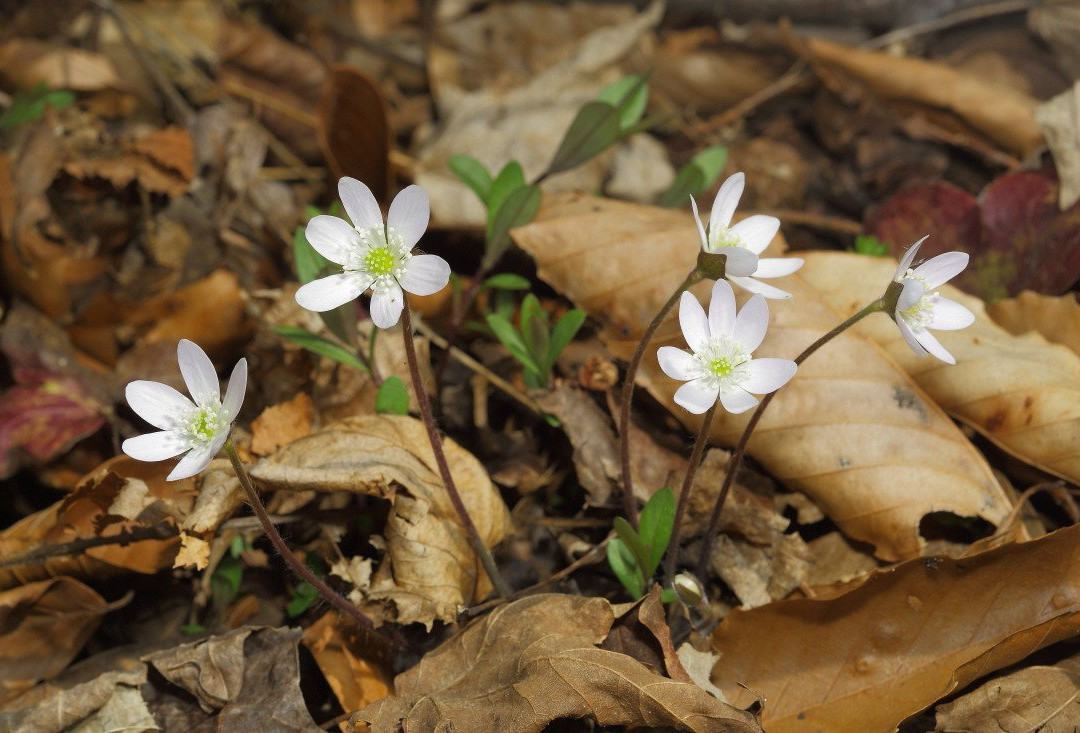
x: 534, y: 330
x: 696, y: 176
x: 629, y: 95
x: 303, y: 595
x: 667, y: 595
x: 225, y: 582
x: 511, y: 339
x: 621, y: 561
x: 563, y: 334
x: 392, y: 398
x: 868, y: 244
x: 321, y: 346
x: 309, y: 263
x: 510, y: 179
x: 654, y: 527
x: 633, y: 542
x: 30, y: 105
x: 507, y: 281
x: 516, y: 210
x: 473, y: 174
x: 192, y: 629
x: 596, y: 126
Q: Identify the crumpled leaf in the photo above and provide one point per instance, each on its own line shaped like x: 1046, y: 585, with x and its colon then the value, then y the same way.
x: 865, y: 660
x: 851, y: 430
x: 110, y: 701
x: 534, y: 661
x: 1021, y: 392
x: 429, y: 570
x: 42, y: 627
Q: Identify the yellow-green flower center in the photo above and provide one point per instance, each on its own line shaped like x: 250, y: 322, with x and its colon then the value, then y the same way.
x: 379, y: 261
x: 723, y: 237
x: 721, y: 366
x: 204, y: 423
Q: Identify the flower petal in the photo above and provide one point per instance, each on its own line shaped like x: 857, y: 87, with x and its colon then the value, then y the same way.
x: 360, y: 204
x: 726, y: 201
x: 740, y: 261
x: 409, y: 214
x: 676, y: 363
x: 749, y: 283
x: 199, y: 373
x: 157, y: 403
x: 332, y: 237
x: 695, y: 397
x: 768, y: 375
x: 909, y: 336
x: 737, y: 401
x: 197, y: 459
x: 386, y: 305
x: 756, y: 232
x: 721, y: 309
x: 942, y: 268
x: 700, y: 228
x: 911, y: 294
x: 777, y: 266
x: 425, y: 275
x: 155, y: 446
x: 751, y: 323
x: 327, y: 293
x: 948, y: 315
x: 234, y: 393
x: 907, y: 259
x: 931, y: 344
x: 694, y: 323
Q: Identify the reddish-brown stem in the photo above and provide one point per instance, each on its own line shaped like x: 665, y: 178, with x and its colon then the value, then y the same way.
x: 475, y: 540
x: 684, y: 496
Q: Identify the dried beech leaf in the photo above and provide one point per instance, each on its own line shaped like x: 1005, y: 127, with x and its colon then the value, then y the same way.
x: 851, y: 430
x: 864, y: 661
x: 354, y: 128
x: 281, y: 424
x: 430, y: 570
x: 42, y: 627
x: 534, y: 661
x: 1057, y: 318
x: 1020, y: 391
x: 356, y: 682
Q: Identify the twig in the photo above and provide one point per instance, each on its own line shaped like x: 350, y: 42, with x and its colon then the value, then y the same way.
x: 817, y: 221
x: 967, y: 15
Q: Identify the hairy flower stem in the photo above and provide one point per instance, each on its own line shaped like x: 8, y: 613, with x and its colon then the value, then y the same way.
x: 629, y: 504
x: 333, y: 597
x: 475, y: 540
x: 740, y: 448
x: 684, y: 496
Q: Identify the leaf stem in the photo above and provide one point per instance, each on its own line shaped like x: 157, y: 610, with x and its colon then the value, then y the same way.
x: 696, y: 454
x: 740, y: 448
x: 475, y: 540
x: 333, y: 597
x: 629, y: 505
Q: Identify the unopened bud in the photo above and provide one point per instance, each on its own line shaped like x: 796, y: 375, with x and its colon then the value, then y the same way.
x: 689, y: 590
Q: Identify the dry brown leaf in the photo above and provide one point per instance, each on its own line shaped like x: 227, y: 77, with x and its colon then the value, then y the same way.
x: 1056, y: 317
x: 110, y: 701
x: 354, y: 129
x: 864, y: 661
x: 852, y: 430
x: 1060, y: 122
x: 356, y: 682
x: 1020, y: 391
x: 42, y: 627
x: 1002, y: 114
x: 534, y: 661
x: 1040, y: 698
x: 429, y: 570
x: 281, y: 424
x: 28, y: 62
x: 162, y: 161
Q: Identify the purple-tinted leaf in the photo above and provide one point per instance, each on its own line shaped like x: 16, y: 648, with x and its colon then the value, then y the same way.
x: 949, y: 214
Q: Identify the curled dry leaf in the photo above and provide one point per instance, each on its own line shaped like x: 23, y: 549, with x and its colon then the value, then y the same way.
x: 42, y: 627
x: 356, y: 682
x: 851, y: 430
x: 429, y: 570
x: 906, y: 637
x: 1002, y: 114
x: 534, y: 661
x: 1021, y: 392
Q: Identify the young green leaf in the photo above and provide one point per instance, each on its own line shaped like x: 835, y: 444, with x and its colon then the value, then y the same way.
x: 225, y: 582
x: 516, y: 210
x: 563, y: 334
x: 507, y: 281
x: 309, y: 263
x: 509, y: 179
x: 633, y: 541
x: 511, y: 339
x: 534, y: 329
x: 303, y: 595
x: 655, y: 525
x: 696, y: 176
x: 868, y: 244
x: 392, y: 397
x: 629, y: 95
x: 30, y: 105
x: 621, y: 561
x: 473, y: 174
x: 321, y: 346
x: 596, y: 127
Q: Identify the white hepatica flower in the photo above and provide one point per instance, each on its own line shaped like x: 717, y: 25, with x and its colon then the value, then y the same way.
x: 198, y: 428
x: 373, y: 255
x: 743, y: 241
x: 720, y: 366
x: 919, y: 309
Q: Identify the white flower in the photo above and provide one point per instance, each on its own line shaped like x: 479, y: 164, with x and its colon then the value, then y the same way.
x: 919, y: 309
x: 720, y: 366
x: 198, y: 428
x: 373, y: 255
x: 743, y: 241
